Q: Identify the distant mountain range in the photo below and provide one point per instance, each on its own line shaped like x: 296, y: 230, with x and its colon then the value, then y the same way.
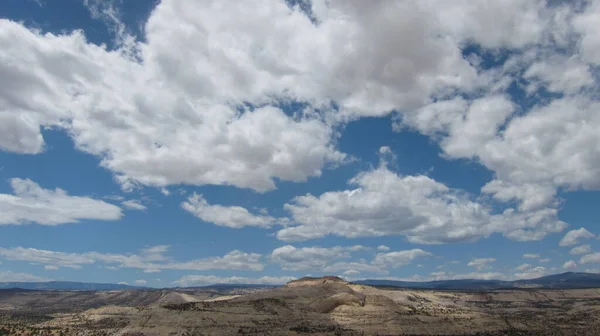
x: 65, y: 285
x: 567, y: 280
x: 229, y: 286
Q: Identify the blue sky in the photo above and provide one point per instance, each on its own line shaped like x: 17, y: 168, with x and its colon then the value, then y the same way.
x: 165, y: 144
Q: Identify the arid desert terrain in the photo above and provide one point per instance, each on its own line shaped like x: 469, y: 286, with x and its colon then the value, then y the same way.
x: 320, y: 306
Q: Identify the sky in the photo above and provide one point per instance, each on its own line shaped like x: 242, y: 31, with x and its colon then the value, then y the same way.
x: 184, y: 143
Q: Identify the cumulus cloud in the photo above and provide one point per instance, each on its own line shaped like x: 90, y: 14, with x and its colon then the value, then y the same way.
x: 441, y: 275
x: 570, y: 264
x: 8, y: 276
x: 335, y: 260
x: 31, y: 203
x: 199, y: 103
x: 399, y: 258
x: 141, y: 282
x: 574, y: 236
x: 481, y: 263
x: 592, y: 258
x: 354, y: 266
x: 202, y: 280
x: 152, y: 124
x: 560, y: 74
x: 479, y: 276
x: 150, y: 259
x: 549, y: 147
x: 20, y: 134
x: 533, y: 149
x: 134, y: 205
x: 229, y: 216
x: 418, y: 207
x: 383, y: 248
x: 308, y: 258
x: 584, y: 23
x: 157, y: 249
x: 192, y: 79
x: 523, y: 267
x: 531, y: 255
x: 531, y: 272
x: 583, y: 249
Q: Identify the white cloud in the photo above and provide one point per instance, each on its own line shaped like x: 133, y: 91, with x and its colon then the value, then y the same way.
x: 592, y: 258
x: 175, y: 109
x: 359, y: 266
x: 572, y: 237
x: 531, y: 196
x: 229, y: 216
x: 418, y: 207
x: 534, y: 153
x: 399, y: 258
x: 30, y: 203
x: 150, y: 123
x: 397, y: 56
x: 44, y: 257
x: 20, y: 134
x: 560, y: 141
x: 141, y: 282
x: 583, y: 249
x: 552, y: 146
x: 545, y: 260
x: 334, y: 260
x: 8, y: 276
x: 202, y: 280
x: 570, y: 264
x: 157, y: 249
x: 480, y: 276
x: 481, y: 263
x: 531, y: 255
x: 478, y: 125
x: 383, y: 248
x: 523, y: 267
x: 586, y: 24
x: 438, y: 275
x: 235, y: 260
x: 519, y: 22
x: 50, y: 268
x: 134, y: 205
x: 560, y: 74
x: 531, y: 272
x: 454, y: 276
x: 109, y: 13
x: 114, y: 198
x: 308, y: 258
x: 150, y: 259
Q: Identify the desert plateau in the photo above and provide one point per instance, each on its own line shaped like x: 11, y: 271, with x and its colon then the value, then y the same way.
x: 308, y: 306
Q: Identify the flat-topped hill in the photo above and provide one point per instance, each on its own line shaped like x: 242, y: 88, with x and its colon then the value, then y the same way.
x: 310, y: 281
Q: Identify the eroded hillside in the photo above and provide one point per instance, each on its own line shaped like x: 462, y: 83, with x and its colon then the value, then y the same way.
x: 310, y: 306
